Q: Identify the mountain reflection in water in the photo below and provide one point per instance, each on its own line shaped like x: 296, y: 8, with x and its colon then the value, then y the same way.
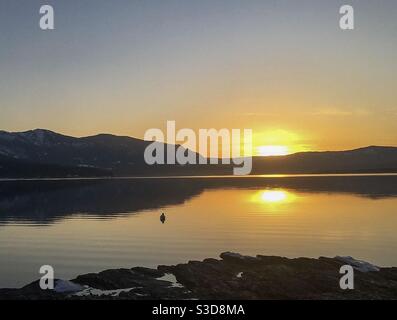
x: 46, y: 201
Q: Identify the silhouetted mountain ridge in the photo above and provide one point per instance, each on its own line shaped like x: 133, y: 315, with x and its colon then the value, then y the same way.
x: 44, y: 153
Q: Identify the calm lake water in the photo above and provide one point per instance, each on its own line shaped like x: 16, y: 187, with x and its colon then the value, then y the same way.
x: 83, y: 226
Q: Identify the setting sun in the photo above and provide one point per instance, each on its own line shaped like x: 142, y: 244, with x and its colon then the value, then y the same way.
x: 279, y: 142
x: 266, y: 151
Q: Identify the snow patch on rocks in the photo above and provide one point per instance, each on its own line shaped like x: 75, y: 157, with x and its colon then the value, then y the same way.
x: 359, y: 265
x: 169, y: 277
x: 88, y: 291
x: 65, y: 286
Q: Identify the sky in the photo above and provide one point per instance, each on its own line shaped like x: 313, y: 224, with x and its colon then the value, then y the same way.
x: 283, y: 68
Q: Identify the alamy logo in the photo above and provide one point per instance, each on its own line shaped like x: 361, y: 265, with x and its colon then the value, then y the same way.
x: 347, y: 280
x: 47, y: 22
x: 47, y: 280
x: 207, y: 145
x: 346, y: 22
x: 47, y: 19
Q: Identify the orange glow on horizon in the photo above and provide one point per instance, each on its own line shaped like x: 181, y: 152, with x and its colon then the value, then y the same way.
x: 267, y: 151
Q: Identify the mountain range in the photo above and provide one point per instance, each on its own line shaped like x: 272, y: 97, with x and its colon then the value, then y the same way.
x: 43, y: 153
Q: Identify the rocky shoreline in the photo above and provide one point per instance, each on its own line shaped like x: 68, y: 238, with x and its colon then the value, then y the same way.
x: 232, y: 277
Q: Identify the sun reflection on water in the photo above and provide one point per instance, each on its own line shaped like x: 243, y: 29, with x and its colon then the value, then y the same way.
x: 276, y: 196
x: 273, y: 196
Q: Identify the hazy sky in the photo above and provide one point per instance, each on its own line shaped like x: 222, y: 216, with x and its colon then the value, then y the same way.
x: 282, y: 68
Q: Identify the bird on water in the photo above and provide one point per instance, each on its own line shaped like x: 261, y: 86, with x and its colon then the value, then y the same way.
x: 162, y: 218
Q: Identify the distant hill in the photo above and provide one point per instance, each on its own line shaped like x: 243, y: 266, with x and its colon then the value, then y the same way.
x: 43, y: 153
x: 374, y: 159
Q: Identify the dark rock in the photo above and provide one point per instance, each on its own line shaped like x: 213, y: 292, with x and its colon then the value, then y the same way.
x: 233, y: 277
